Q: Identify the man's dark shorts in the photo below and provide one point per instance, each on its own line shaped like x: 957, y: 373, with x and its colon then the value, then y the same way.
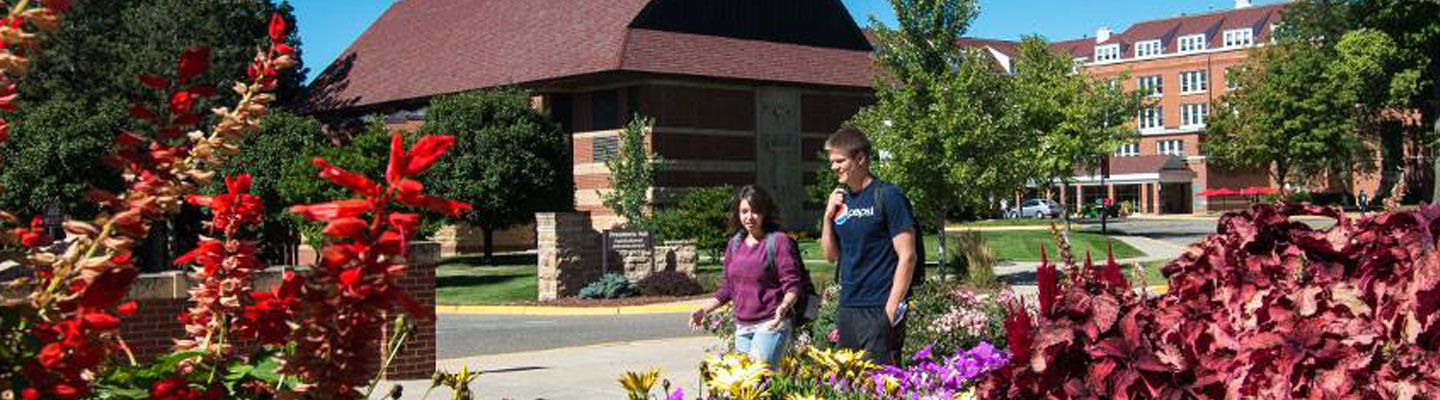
x: 869, y: 329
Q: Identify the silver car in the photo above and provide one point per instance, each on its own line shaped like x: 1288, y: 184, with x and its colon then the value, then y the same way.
x: 1040, y: 208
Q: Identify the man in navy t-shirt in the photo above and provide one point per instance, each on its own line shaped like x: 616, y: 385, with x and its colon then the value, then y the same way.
x: 874, y: 248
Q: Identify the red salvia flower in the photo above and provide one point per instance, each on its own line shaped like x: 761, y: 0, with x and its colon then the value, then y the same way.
x: 277, y: 28
x: 194, y: 61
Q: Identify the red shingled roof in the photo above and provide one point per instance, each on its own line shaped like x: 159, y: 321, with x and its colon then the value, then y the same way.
x: 421, y: 48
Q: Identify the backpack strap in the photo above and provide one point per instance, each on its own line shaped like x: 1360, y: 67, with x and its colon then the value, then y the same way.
x: 770, y: 251
x: 730, y: 248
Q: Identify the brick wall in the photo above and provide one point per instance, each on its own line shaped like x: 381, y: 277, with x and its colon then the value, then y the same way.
x: 153, y: 329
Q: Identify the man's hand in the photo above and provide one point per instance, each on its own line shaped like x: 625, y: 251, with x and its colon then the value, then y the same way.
x: 891, y: 308
x: 835, y: 204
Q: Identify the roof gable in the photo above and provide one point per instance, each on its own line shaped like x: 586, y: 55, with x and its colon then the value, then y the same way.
x: 817, y: 23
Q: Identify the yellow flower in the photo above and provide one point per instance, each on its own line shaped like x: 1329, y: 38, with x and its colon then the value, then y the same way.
x: 638, y: 385
x: 804, y: 397
x: 738, y: 377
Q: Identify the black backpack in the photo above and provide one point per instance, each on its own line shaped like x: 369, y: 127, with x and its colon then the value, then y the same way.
x: 807, y: 307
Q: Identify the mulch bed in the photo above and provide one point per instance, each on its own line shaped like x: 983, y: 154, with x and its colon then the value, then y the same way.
x: 628, y: 301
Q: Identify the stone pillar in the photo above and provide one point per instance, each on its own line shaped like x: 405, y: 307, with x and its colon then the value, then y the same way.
x: 677, y: 255
x: 569, y: 253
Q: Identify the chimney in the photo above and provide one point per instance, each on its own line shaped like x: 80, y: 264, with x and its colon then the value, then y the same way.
x: 1242, y: 4
x: 1103, y: 34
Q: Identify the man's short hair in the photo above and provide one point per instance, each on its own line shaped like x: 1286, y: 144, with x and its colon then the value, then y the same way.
x: 850, y: 140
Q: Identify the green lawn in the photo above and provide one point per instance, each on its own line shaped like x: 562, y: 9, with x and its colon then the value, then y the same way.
x: 1016, y: 246
x: 1153, y: 276
x: 463, y: 281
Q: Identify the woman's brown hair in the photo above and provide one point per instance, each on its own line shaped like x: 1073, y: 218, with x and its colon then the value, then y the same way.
x: 760, y: 203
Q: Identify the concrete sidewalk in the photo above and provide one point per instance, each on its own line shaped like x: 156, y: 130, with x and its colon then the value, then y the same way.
x: 579, y: 373
x: 659, y: 308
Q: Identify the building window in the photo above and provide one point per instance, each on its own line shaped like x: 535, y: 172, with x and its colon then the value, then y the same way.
x: 1149, y: 48
x: 605, y: 109
x: 1152, y: 118
x: 1192, y: 43
x: 1194, y: 82
x: 1109, y: 52
x: 1153, y: 85
x: 1128, y: 150
x: 1194, y: 114
x: 1239, y: 37
x: 602, y: 148
x: 1171, y: 147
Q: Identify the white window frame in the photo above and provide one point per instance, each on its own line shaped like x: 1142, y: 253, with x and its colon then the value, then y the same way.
x: 1149, y: 48
x: 1128, y: 150
x: 1244, y: 37
x: 1151, y: 85
x: 1193, y: 115
x: 1151, y: 119
x: 1192, y: 82
x: 1109, y: 52
x: 1170, y: 147
x: 1192, y: 43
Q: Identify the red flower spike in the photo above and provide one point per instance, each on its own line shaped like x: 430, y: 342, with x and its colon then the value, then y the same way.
x: 30, y: 394
x: 352, y: 277
x: 406, y: 223
x: 202, y: 90
x: 140, y: 112
x: 1017, y: 333
x: 127, y: 309
x: 425, y: 152
x: 199, y: 200
x: 1112, y: 274
x: 1048, y: 280
x: 345, y: 228
x: 390, y: 242
x: 181, y: 102
x: 358, y: 183
x: 277, y: 28
x: 100, y: 320
x: 394, y: 170
x: 285, y: 49
x: 238, y: 184
x: 332, y: 210
x: 334, y: 256
x: 154, y: 82
x: 60, y: 6
x: 194, y: 61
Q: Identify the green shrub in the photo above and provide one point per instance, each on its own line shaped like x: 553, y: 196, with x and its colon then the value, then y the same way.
x: 973, y: 260
x: 701, y: 215
x: 668, y: 283
x: 611, y: 286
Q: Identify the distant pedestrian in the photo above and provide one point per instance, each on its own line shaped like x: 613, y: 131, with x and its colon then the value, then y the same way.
x: 869, y: 232
x: 763, y: 277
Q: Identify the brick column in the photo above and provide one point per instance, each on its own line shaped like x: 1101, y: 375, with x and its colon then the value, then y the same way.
x: 1156, y: 196
x: 1079, y: 197
x: 1144, y: 205
x: 1064, y: 201
x: 416, y: 359
x: 1110, y: 191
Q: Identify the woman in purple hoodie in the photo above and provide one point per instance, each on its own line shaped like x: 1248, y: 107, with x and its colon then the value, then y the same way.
x: 763, y: 292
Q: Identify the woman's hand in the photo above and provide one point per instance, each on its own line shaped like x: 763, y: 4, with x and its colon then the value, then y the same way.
x: 781, y: 314
x: 697, y: 320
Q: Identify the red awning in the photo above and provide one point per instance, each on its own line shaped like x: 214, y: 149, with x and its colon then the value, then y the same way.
x: 1217, y: 192
x: 1258, y: 190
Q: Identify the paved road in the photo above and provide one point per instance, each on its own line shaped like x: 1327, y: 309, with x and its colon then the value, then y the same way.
x: 467, y: 335
x: 1183, y: 231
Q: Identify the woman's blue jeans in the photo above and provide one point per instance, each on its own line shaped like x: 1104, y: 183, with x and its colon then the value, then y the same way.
x: 762, y: 344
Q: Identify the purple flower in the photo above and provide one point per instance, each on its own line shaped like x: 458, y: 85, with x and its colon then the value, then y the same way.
x: 678, y: 395
x: 922, y: 354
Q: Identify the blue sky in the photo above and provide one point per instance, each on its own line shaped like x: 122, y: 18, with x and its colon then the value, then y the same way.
x: 328, y: 26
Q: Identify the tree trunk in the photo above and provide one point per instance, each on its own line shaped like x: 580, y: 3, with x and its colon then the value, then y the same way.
x: 1434, y: 115
x: 940, y: 258
x: 488, y: 232
x: 1282, y: 169
x: 1392, y: 161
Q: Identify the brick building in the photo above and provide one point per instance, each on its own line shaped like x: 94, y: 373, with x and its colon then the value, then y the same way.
x: 1183, y: 63
x: 743, y: 91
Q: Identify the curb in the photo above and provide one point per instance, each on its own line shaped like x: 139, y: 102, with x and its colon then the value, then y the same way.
x: 668, y: 308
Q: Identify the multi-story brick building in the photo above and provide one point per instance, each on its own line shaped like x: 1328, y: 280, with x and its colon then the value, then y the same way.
x: 1183, y: 63
x: 742, y: 91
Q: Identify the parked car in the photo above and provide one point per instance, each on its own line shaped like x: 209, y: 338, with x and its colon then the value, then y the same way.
x: 1040, y: 208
